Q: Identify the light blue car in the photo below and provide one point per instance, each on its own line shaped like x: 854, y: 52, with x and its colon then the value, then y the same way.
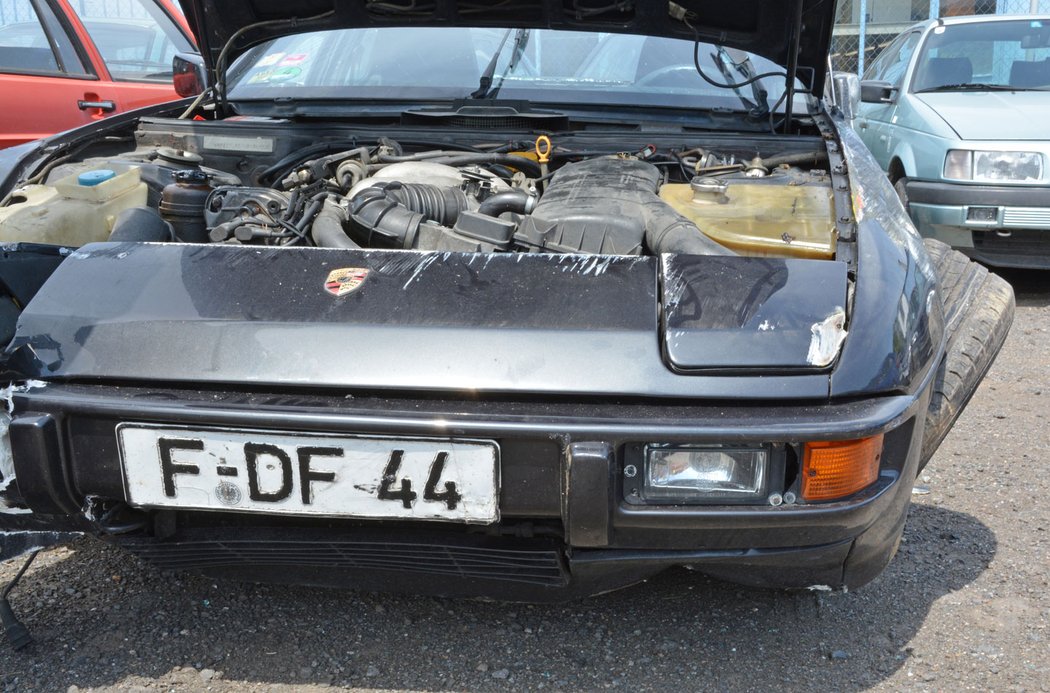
x: 957, y: 112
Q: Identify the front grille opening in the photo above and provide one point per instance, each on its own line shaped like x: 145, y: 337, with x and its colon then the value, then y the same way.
x: 534, y: 562
x: 1016, y: 242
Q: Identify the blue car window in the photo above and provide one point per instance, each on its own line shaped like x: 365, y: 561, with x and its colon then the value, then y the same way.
x: 550, y: 65
x: 892, y: 62
x: 137, y: 40
x: 997, y: 54
x: 35, y: 44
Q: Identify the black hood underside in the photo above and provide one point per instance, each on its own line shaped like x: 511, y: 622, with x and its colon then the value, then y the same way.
x: 782, y: 30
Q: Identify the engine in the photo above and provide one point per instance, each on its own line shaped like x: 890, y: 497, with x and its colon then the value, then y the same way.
x: 474, y: 201
x: 603, y: 205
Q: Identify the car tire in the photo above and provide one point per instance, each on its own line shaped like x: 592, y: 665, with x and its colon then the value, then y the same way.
x: 901, y: 187
x: 978, y: 311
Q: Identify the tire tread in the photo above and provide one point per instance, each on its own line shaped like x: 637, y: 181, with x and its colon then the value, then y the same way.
x: 978, y: 311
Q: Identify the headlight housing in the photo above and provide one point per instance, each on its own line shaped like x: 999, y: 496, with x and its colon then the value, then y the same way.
x: 707, y: 473
x: 993, y: 167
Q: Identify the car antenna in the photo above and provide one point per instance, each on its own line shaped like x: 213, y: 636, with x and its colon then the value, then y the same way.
x: 17, y: 633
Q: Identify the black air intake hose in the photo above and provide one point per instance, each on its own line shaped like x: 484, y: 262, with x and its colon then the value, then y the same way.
x: 667, y: 231
x: 142, y: 225
x: 327, y: 229
x: 389, y: 215
x: 508, y: 201
x: 435, y: 203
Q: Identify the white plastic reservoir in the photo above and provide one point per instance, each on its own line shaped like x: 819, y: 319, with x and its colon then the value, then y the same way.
x: 75, y: 210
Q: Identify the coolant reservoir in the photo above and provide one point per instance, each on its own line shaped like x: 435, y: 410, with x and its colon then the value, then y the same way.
x: 789, y: 215
x: 74, y: 210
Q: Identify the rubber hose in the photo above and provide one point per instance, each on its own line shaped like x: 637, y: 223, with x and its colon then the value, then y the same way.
x: 667, y: 231
x: 795, y: 158
x: 389, y: 215
x: 528, y: 166
x: 508, y: 201
x: 440, y: 204
x: 327, y: 229
x: 381, y: 220
x: 141, y: 225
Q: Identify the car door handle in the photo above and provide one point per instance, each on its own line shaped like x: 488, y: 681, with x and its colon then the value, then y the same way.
x: 106, y: 106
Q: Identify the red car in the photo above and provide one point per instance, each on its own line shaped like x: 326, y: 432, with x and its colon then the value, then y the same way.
x: 64, y: 63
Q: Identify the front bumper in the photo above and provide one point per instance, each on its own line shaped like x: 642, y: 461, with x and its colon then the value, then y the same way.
x: 565, y: 529
x: 1018, y: 235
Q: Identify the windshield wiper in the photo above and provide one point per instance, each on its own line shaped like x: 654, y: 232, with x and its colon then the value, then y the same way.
x: 742, y: 62
x: 486, y: 77
x: 486, y: 90
x: 975, y: 86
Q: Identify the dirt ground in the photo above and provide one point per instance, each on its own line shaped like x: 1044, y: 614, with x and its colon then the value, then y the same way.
x: 965, y: 605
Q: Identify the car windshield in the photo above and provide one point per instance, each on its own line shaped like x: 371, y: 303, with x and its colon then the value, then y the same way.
x: 560, y: 67
x: 1012, y: 55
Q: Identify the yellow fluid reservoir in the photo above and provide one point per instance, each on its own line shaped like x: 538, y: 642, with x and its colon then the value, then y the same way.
x: 74, y: 210
x: 785, y: 214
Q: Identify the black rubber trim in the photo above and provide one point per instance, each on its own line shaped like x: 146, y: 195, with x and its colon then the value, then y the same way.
x: 924, y: 192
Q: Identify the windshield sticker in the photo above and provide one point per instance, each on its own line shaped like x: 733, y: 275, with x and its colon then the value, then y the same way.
x: 285, y: 74
x: 262, y: 76
x: 294, y: 59
x: 270, y: 59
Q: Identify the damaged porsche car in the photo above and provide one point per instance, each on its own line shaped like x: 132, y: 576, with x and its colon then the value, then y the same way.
x: 510, y: 299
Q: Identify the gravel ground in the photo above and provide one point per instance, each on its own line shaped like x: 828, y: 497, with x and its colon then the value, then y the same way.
x: 965, y: 605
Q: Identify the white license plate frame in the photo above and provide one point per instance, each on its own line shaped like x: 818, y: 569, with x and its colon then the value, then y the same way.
x: 298, y: 473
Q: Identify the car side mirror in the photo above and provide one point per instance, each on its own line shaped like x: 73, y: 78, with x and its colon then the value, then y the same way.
x: 872, y: 91
x: 845, y: 89
x: 189, y: 74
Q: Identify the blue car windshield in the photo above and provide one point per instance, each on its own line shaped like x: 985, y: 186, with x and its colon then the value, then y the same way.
x: 985, y: 55
x: 560, y: 67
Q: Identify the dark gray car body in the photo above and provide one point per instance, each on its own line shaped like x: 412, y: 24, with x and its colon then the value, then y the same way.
x: 572, y: 364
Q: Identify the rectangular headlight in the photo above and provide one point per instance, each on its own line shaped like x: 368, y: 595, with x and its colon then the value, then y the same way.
x: 1007, y: 166
x: 992, y: 167
x: 697, y: 474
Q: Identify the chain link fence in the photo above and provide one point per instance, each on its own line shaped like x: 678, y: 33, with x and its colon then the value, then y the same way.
x: 120, y: 9
x: 15, y: 11
x: 864, y: 27
x: 12, y: 11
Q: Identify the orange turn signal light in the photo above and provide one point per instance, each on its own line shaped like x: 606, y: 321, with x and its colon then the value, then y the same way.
x: 836, y: 468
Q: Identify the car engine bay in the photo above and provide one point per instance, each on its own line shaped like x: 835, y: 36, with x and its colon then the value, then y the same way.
x: 516, y: 196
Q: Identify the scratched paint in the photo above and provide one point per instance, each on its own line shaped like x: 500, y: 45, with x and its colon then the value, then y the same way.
x: 7, y: 467
x: 828, y: 336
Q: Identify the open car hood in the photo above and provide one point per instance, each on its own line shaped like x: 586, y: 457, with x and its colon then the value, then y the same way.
x: 776, y: 29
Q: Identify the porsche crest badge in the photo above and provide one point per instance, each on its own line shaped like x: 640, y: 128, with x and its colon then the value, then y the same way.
x: 342, y: 281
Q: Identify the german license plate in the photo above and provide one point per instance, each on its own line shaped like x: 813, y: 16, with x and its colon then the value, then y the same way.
x: 305, y: 474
